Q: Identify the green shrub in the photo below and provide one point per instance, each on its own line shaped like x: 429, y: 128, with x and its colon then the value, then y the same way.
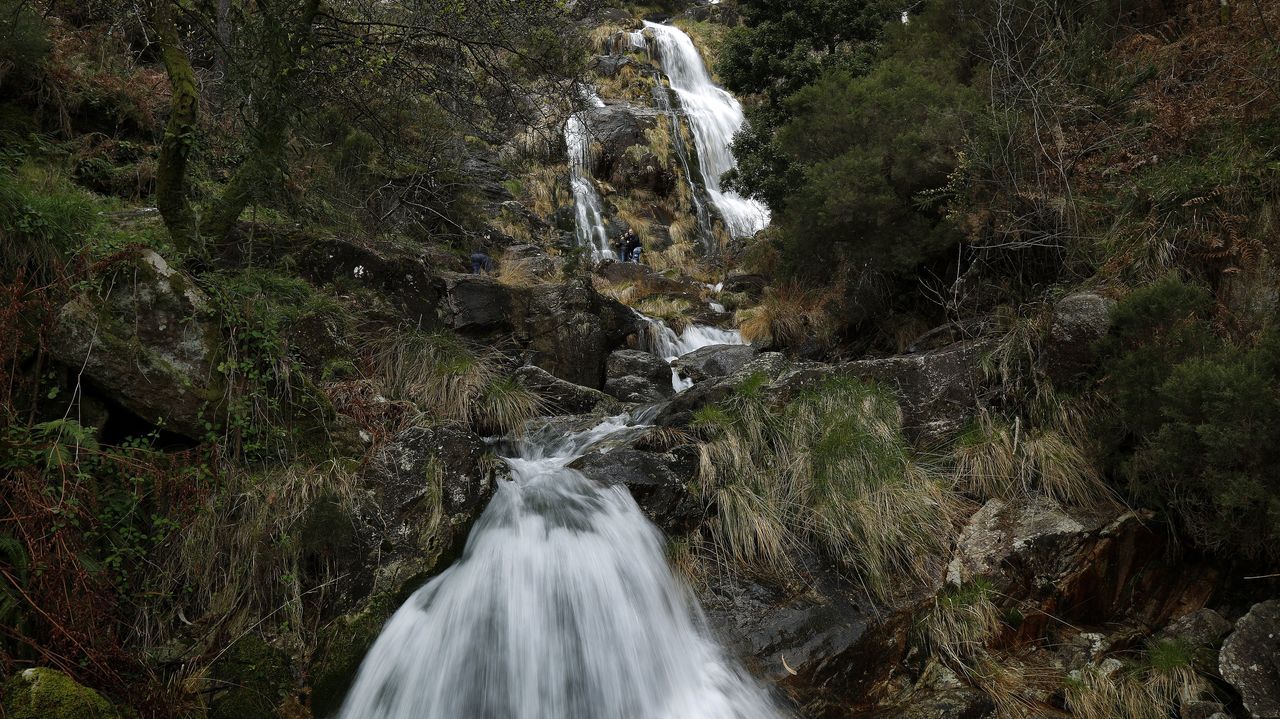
x: 1199, y: 419
x: 24, y: 43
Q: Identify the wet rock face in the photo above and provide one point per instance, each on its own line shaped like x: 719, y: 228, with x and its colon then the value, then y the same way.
x: 938, y: 391
x: 1079, y: 321
x: 475, y: 302
x: 570, y: 329
x: 636, y: 389
x: 615, y: 128
x: 637, y: 363
x: 1250, y: 660
x: 1077, y: 566
x: 148, y: 341
x: 567, y: 329
x: 714, y: 361
x: 406, y: 282
x: 418, y: 495
x: 658, y: 481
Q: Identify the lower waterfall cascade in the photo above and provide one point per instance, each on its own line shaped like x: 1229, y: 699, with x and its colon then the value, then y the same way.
x: 562, y: 606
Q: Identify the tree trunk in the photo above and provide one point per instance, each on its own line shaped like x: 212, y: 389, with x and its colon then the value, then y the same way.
x: 179, y: 134
x: 265, y: 164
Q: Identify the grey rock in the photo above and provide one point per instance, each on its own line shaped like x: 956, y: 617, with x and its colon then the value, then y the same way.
x: 939, y: 392
x: 714, y: 361
x: 403, y: 509
x: 564, y: 397
x: 1083, y: 567
x: 1201, y: 710
x: 1079, y: 321
x: 1250, y: 660
x: 638, y: 363
x: 615, y: 128
x: 610, y: 65
x: 570, y: 329
x: 148, y: 341
x: 750, y: 285
x: 635, y: 389
x: 1202, y: 628
x: 659, y: 481
x: 679, y: 411
x: 403, y: 280
x: 475, y: 301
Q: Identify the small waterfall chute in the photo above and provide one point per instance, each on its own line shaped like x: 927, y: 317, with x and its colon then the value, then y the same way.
x: 589, y: 219
x: 563, y: 606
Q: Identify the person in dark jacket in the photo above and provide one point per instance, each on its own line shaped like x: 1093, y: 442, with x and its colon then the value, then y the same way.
x: 481, y: 263
x: 630, y: 242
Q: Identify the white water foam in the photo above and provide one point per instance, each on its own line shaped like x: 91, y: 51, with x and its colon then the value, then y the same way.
x: 561, y: 607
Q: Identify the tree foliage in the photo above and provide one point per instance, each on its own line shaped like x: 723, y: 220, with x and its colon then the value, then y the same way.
x: 483, y: 68
x: 1199, y: 418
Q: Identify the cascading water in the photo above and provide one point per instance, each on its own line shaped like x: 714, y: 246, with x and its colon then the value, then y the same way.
x: 561, y: 607
x: 663, y: 101
x: 590, y: 225
x: 715, y: 116
x: 661, y: 340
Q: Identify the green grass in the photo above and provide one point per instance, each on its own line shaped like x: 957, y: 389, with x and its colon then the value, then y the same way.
x: 830, y: 471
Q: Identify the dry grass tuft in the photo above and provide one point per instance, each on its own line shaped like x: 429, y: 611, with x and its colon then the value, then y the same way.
x: 830, y: 470
x: 997, y: 459
x: 671, y: 310
x: 787, y: 316
x: 519, y: 272
x: 450, y: 381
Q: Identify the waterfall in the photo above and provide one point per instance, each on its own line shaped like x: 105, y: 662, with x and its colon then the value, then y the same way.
x: 715, y: 116
x: 592, y: 231
x: 659, y: 339
x: 561, y: 607
x: 663, y: 101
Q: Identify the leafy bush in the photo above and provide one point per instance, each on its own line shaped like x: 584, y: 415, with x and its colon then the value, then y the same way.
x: 24, y: 42
x: 1200, y: 419
x: 43, y: 219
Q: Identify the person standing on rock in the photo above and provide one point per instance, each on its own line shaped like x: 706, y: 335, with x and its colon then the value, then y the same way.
x: 630, y: 242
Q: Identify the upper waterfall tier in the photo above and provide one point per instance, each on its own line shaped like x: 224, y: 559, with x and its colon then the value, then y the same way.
x: 715, y: 116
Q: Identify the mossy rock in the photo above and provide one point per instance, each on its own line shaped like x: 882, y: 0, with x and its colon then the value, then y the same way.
x: 43, y: 693
x: 343, y: 646
x: 256, y: 678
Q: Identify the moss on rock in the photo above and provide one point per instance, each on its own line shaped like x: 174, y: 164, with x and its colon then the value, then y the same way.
x: 44, y: 693
x: 256, y: 678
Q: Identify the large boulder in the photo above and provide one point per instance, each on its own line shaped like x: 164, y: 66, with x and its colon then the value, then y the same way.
x: 148, y: 341
x: 403, y: 282
x: 714, y: 361
x: 1077, y: 566
x: 679, y: 411
x: 638, y: 363
x: 42, y: 693
x: 475, y: 302
x: 1079, y: 321
x: 658, y: 480
x: 564, y: 397
x: 824, y: 645
x: 614, y: 128
x: 570, y: 329
x: 939, y: 392
x: 637, y: 390
x: 419, y: 494
x: 1250, y: 660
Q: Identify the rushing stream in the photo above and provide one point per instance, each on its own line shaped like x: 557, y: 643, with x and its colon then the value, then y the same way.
x: 561, y: 607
